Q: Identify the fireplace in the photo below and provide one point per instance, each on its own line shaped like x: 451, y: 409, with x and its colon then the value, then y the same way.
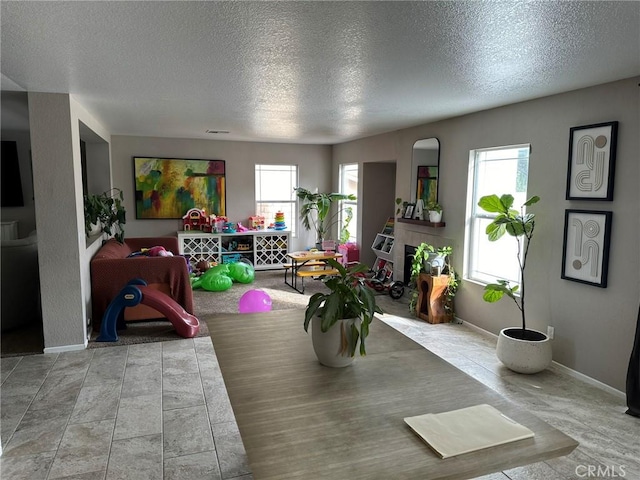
x: 409, y: 251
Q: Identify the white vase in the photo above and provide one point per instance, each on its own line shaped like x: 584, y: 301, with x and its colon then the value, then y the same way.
x: 95, y: 229
x: 329, y: 345
x: 434, y: 216
x: 524, y: 356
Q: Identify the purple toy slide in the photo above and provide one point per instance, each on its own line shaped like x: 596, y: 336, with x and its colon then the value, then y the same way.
x: 136, y: 292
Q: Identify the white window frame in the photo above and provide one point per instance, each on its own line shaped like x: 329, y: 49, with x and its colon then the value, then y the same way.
x: 474, y: 215
x: 353, y: 225
x: 291, y: 223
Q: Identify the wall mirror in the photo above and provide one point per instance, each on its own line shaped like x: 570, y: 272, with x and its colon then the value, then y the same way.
x: 425, y: 163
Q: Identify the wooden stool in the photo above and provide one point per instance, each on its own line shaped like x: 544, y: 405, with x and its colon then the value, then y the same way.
x: 431, y: 298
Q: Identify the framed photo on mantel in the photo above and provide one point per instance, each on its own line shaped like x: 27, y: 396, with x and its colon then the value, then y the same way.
x: 408, y: 212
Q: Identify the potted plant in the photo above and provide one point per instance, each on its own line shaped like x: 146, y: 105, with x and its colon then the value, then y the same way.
x: 107, y: 211
x: 424, y: 258
x: 435, y: 212
x: 400, y: 207
x: 315, y: 211
x: 342, y: 316
x: 521, y: 349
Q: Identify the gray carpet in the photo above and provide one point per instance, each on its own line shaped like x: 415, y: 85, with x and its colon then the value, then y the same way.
x: 283, y: 297
x: 207, y: 304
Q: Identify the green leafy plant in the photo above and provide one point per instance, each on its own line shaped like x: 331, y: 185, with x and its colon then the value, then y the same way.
x: 519, y: 225
x: 316, y: 211
x: 348, y: 297
x: 434, y: 207
x: 424, y: 252
x: 400, y: 206
x: 106, y: 210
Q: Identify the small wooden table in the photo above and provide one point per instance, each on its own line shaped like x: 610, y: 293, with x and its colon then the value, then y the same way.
x: 308, y: 264
x: 431, y: 298
x: 301, y: 420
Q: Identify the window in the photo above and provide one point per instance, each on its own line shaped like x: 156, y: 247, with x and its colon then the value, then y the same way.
x: 275, y: 191
x: 497, y: 171
x: 349, y: 185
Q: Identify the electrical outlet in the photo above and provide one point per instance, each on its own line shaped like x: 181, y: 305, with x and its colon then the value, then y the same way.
x: 550, y: 332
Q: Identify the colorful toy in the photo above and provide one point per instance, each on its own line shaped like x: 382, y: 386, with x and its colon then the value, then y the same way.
x: 203, y: 266
x: 157, y: 252
x: 135, y: 292
x: 241, y: 228
x: 256, y: 222
x: 197, y: 219
x: 279, y: 223
x: 219, y: 224
x: 254, y: 301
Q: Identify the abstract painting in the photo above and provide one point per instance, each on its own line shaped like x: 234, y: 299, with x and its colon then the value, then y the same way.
x: 592, y: 155
x: 585, y: 249
x: 427, y: 185
x: 169, y: 187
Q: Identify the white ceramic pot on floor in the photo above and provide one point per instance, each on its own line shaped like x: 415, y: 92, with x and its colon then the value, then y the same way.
x: 328, y: 345
x: 524, y: 356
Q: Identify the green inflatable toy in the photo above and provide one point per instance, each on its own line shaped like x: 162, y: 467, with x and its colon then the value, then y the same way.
x: 209, y: 279
x: 221, y: 269
x: 216, y: 283
x: 242, y: 272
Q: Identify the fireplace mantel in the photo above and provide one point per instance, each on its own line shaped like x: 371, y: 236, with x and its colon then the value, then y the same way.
x: 424, y: 223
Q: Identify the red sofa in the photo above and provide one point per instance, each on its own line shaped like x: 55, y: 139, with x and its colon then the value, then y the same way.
x: 112, y: 269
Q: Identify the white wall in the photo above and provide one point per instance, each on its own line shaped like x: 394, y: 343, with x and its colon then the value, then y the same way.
x: 62, y: 255
x: 378, y: 180
x: 594, y: 327
x: 314, y: 170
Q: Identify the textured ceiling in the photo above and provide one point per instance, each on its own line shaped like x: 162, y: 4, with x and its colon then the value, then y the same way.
x: 310, y: 72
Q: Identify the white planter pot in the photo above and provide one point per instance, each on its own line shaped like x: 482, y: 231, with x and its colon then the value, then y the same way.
x: 328, y: 345
x: 434, y: 259
x: 524, y: 356
x: 435, y: 217
x: 96, y: 228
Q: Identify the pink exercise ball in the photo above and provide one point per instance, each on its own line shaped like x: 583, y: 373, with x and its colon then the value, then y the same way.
x: 254, y: 301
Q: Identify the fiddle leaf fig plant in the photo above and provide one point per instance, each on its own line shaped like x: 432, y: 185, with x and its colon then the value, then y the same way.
x: 519, y: 225
x: 316, y: 211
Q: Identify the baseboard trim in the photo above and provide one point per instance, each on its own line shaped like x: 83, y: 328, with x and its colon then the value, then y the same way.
x: 67, y: 348
x: 563, y: 368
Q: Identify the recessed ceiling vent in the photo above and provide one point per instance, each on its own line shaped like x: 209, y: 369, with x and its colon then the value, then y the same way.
x: 217, y: 131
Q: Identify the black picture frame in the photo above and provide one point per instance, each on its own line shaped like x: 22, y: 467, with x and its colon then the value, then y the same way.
x: 592, y: 159
x: 408, y: 212
x: 585, y: 246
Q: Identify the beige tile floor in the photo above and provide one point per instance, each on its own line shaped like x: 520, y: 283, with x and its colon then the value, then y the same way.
x: 160, y: 411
